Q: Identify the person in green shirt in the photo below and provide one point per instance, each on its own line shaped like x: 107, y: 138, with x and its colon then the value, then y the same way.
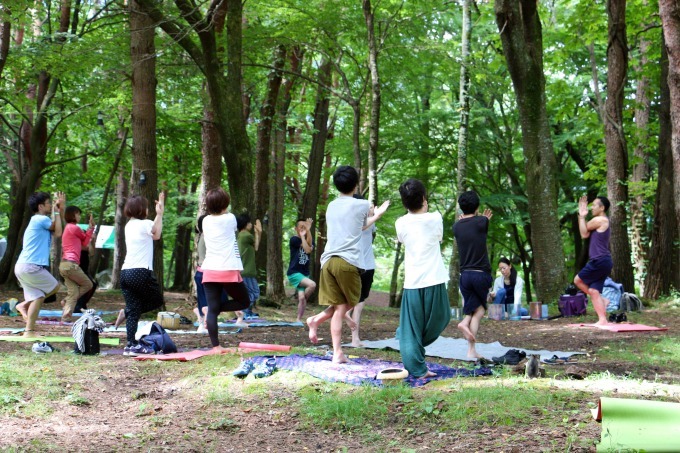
x: 248, y: 243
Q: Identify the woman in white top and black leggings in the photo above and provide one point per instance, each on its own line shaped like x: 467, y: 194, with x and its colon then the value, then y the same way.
x: 138, y: 282
x: 222, y: 264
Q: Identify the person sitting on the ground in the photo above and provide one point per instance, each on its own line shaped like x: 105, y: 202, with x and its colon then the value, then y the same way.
x: 31, y: 267
x: 248, y: 244
x: 72, y: 242
x: 301, y: 246
x: 508, y: 289
x: 340, y: 282
x: 222, y: 265
x: 425, y: 311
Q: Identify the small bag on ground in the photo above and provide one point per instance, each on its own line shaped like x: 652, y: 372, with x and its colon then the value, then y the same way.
x: 573, y: 305
x: 630, y: 302
x: 86, y: 332
x: 158, y: 339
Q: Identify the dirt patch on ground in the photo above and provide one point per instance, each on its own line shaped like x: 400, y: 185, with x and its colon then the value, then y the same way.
x: 130, y: 405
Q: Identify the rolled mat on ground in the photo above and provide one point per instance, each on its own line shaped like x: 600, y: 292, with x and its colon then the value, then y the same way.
x: 456, y: 348
x: 361, y: 371
x: 622, y: 327
x: 638, y: 425
x: 260, y: 323
x: 109, y: 341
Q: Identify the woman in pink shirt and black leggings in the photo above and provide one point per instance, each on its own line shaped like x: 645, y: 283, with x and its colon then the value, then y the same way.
x: 72, y: 241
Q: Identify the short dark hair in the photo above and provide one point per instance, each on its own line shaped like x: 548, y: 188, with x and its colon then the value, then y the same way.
x: 242, y: 221
x: 217, y: 200
x: 358, y: 196
x: 70, y: 214
x: 300, y: 219
x: 605, y: 202
x: 468, y: 202
x: 345, y: 178
x: 413, y: 194
x: 199, y: 223
x: 37, y: 199
x: 136, y: 207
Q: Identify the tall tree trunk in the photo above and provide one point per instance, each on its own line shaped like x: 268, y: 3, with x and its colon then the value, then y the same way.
x: 5, y: 36
x: 640, y: 167
x: 211, y: 164
x: 669, y: 10
x: 182, y: 249
x: 374, y: 129
x: 263, y: 148
x: 615, y: 143
x: 119, y: 248
x: 664, y: 232
x: 520, y: 30
x: 463, y: 131
x: 144, y: 179
x: 274, y: 225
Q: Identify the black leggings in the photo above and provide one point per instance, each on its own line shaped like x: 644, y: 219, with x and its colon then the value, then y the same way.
x: 239, y: 300
x: 142, y: 294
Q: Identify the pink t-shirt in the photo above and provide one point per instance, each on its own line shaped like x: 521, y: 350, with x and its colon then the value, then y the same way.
x: 73, y: 240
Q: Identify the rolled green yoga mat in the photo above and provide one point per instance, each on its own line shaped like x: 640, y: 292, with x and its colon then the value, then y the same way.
x: 109, y: 341
x: 638, y: 425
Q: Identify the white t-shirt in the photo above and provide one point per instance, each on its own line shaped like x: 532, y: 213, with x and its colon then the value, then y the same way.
x: 366, y: 245
x: 421, y: 235
x: 221, y: 248
x: 345, y: 217
x: 139, y: 244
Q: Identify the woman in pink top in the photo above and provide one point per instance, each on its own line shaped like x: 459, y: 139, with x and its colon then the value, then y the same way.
x: 72, y: 241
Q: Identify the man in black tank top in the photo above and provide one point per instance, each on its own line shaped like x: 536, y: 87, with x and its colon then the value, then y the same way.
x: 591, y: 278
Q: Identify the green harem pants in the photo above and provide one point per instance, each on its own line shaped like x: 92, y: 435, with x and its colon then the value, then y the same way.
x: 425, y: 313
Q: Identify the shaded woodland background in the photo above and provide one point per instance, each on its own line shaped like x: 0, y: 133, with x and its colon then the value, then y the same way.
x: 532, y: 104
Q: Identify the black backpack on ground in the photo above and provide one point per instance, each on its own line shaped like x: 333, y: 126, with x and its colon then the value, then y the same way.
x: 158, y: 340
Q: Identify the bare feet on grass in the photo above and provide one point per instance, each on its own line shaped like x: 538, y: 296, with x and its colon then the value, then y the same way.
x: 340, y: 358
x: 472, y: 354
x: 313, y: 327
x: 120, y: 319
x: 467, y: 333
x: 22, y: 308
x: 357, y: 344
x: 602, y: 322
x: 220, y: 350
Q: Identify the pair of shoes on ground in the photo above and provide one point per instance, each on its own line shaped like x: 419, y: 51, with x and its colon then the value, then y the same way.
x: 250, y: 314
x: 247, y: 366
x: 136, y: 350
x: 512, y: 357
x: 618, y: 317
x: 559, y: 360
x: 43, y: 347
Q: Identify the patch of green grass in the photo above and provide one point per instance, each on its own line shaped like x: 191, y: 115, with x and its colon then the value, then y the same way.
x: 77, y: 400
x: 332, y: 407
x: 661, y: 352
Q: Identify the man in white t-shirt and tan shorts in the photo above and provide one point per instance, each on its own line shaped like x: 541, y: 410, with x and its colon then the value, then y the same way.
x: 341, y: 261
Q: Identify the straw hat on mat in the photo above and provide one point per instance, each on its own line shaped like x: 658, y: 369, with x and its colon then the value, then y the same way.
x: 390, y: 376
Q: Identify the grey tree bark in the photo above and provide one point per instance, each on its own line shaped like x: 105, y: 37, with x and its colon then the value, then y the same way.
x: 374, y: 128
x: 521, y: 36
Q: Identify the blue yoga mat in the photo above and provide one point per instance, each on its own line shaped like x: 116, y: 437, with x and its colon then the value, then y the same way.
x: 260, y: 324
x: 58, y: 313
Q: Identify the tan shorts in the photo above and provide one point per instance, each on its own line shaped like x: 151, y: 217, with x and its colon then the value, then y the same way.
x: 340, y: 283
x: 35, y: 280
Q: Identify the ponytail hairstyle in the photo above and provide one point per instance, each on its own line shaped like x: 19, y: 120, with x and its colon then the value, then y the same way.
x: 513, y: 271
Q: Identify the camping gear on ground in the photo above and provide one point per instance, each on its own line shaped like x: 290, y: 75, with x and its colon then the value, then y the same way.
x: 86, y: 332
x: 573, y: 305
x: 535, y: 310
x: 153, y: 335
x: 168, y: 320
x: 496, y: 312
x: 512, y: 357
x: 571, y: 290
x: 630, y: 302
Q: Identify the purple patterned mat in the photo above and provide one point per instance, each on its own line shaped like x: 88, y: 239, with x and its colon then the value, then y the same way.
x: 362, y: 371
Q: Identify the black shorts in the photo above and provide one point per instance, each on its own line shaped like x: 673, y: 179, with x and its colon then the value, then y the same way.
x: 596, y: 271
x: 366, y: 283
x: 474, y: 286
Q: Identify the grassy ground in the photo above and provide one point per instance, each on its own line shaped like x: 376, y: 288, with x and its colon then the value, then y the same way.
x: 60, y: 401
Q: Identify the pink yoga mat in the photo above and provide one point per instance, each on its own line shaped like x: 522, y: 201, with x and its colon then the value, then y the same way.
x: 181, y: 356
x: 264, y: 347
x: 622, y: 327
